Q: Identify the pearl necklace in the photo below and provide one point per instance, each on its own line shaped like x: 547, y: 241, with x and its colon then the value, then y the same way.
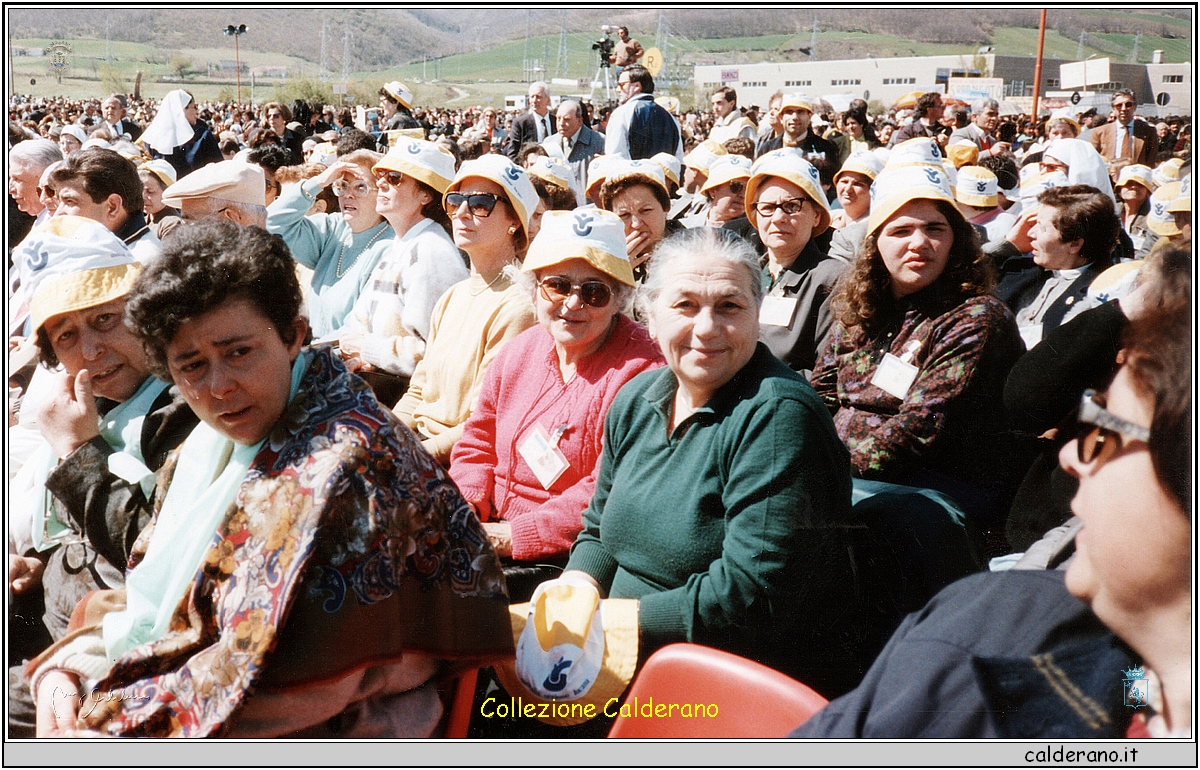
x: 341, y: 250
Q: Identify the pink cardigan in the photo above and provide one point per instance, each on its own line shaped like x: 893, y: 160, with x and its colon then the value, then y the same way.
x: 524, y: 387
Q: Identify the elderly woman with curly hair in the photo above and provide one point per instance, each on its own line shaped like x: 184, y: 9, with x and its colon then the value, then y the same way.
x: 915, y: 363
x: 309, y: 570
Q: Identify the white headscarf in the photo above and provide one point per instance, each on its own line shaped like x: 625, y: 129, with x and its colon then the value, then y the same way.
x: 170, y: 128
x: 1084, y: 164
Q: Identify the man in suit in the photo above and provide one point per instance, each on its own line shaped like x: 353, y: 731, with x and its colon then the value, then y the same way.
x: 1125, y: 140
x: 113, y: 110
x: 985, y: 116
x: 533, y: 125
x: 575, y: 144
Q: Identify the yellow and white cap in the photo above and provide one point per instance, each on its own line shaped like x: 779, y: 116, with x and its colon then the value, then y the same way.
x: 70, y: 263
x: 399, y: 92
x: 672, y: 168
x: 76, y: 131
x: 514, y: 179
x: 553, y: 171
x: 596, y: 169
x: 668, y: 103
x: 788, y: 164
x: 647, y: 170
x: 794, y: 101
x: 962, y: 153
x: 1168, y: 171
x: 726, y: 169
x: 1160, y: 220
x: 867, y: 163
x: 593, y: 235
x: 572, y: 647
x: 420, y: 159
x: 161, y: 169
x: 1182, y: 201
x: 1137, y: 174
x: 977, y: 186
x: 230, y: 180
x: 918, y: 151
x: 704, y: 155
x: 1065, y: 114
x: 897, y: 186
x: 1034, y: 183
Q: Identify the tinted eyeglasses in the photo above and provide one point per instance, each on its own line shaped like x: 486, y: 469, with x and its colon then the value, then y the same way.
x: 479, y: 204
x: 1100, y: 433
x: 737, y: 187
x: 790, y: 207
x: 357, y: 188
x: 393, y: 178
x: 556, y: 288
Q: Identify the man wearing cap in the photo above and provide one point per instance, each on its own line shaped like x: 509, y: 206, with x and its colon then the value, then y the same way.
x: 729, y: 121
x: 985, y: 117
x: 574, y: 143
x: 978, y: 197
x: 396, y: 101
x: 795, y: 113
x: 535, y: 124
x: 113, y: 110
x: 1126, y: 140
x: 108, y: 426
x: 101, y: 185
x: 639, y: 128
x: 230, y: 189
x: 927, y: 114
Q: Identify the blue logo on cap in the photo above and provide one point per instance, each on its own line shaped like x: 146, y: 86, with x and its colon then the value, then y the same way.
x: 583, y: 225
x: 513, y: 173
x: 812, y: 171
x: 981, y: 186
x: 934, y: 176
x: 557, y: 681
x: 414, y: 148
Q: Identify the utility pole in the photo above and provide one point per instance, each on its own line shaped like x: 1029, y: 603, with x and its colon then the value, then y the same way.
x: 660, y: 42
x: 107, y: 39
x: 1133, y: 57
x: 560, y: 67
x: 812, y: 51
x: 1079, y: 49
x: 324, y: 73
x: 346, y: 54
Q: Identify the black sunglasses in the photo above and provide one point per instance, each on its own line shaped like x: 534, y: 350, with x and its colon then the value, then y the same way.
x: 1099, y: 431
x: 479, y: 204
x: 737, y: 187
x: 393, y: 178
x: 556, y: 288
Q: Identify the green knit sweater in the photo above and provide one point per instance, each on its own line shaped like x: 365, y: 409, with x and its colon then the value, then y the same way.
x: 734, y: 531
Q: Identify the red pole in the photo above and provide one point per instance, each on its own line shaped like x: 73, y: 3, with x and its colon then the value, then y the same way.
x: 237, y: 56
x: 1037, y: 68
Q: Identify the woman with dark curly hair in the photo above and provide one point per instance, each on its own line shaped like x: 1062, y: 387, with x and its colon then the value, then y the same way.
x: 915, y: 364
x: 309, y: 569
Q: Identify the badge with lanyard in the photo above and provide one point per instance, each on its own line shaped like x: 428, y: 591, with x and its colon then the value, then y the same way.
x: 541, y: 452
x: 895, y: 375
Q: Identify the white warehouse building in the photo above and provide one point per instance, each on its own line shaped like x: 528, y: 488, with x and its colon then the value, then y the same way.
x: 886, y: 80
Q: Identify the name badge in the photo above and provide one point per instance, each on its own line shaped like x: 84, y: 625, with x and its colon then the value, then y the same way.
x: 541, y: 452
x: 894, y: 376
x: 777, y: 311
x: 1138, y: 241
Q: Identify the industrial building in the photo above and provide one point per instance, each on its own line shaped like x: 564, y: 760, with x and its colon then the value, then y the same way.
x: 1162, y: 89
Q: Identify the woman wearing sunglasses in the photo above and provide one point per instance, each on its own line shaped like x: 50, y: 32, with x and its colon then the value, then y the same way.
x: 725, y: 191
x: 528, y: 455
x: 1016, y: 654
x: 786, y: 204
x: 341, y: 249
x: 385, y: 334
x: 490, y: 203
x: 915, y: 363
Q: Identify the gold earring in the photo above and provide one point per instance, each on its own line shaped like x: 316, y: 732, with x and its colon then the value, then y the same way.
x: 512, y: 230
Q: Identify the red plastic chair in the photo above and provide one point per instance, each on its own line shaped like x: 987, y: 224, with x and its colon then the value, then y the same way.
x: 751, y: 700
x: 459, y: 718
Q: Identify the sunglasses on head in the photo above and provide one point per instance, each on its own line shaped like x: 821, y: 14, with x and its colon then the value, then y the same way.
x: 393, y: 178
x: 1099, y: 432
x: 479, y: 204
x: 556, y: 288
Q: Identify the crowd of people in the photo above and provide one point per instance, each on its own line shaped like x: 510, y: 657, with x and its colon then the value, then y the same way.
x: 307, y: 418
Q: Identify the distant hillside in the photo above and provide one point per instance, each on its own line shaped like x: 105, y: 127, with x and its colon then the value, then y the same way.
x: 386, y: 38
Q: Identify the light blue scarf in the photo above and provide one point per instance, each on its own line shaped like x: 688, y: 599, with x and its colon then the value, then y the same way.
x: 208, y: 474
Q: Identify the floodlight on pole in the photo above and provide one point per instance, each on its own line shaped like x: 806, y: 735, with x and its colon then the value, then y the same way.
x: 237, y: 32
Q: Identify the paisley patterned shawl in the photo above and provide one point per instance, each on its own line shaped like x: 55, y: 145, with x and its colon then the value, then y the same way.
x: 346, y: 546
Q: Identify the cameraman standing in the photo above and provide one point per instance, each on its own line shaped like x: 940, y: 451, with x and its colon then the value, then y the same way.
x: 627, y: 50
